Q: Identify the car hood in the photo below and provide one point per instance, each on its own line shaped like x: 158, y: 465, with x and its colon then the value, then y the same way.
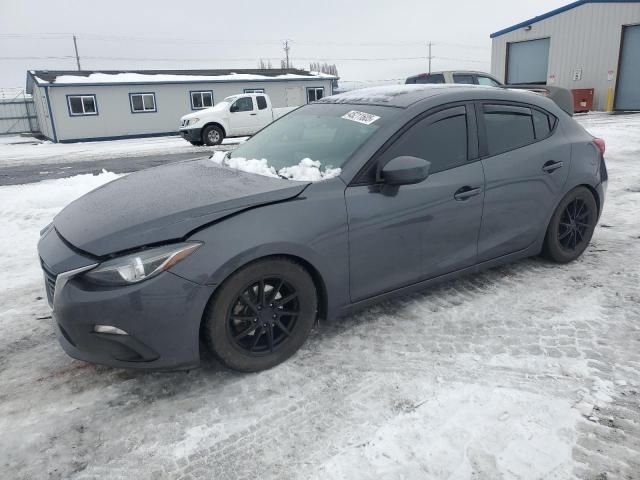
x: 163, y: 204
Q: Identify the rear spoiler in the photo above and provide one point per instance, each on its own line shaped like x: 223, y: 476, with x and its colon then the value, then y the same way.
x: 561, y: 96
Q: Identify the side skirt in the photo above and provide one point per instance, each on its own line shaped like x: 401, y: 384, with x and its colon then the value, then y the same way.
x: 530, y: 251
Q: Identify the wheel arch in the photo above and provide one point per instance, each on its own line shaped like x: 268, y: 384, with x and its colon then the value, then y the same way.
x: 215, y: 124
x: 316, y: 276
x: 595, y: 194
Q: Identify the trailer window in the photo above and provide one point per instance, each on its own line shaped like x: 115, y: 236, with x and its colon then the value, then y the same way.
x: 82, y: 105
x: 142, y: 102
x: 200, y: 100
x: 314, y: 93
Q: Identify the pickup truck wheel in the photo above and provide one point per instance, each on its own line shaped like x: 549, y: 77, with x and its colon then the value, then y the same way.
x: 212, y: 135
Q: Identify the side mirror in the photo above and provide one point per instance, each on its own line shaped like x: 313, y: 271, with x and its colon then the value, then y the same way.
x: 234, y: 108
x: 405, y: 171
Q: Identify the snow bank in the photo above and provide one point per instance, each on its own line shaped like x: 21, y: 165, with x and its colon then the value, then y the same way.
x: 306, y: 171
x: 24, y: 211
x: 35, y: 152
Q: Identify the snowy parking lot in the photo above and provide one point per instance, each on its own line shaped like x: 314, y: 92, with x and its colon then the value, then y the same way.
x: 527, y: 371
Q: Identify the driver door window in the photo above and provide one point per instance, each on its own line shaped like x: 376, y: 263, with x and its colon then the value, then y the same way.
x: 442, y: 142
x: 487, y: 81
x: 244, y: 104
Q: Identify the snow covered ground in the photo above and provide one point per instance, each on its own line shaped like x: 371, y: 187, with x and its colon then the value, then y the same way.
x: 16, y: 150
x: 528, y: 371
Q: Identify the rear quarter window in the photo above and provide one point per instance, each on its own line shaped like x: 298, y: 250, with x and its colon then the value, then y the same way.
x: 542, y: 124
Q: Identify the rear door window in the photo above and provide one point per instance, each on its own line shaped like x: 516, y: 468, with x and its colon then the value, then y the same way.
x: 463, y: 78
x: 262, y: 102
x: 435, y: 78
x: 507, y: 127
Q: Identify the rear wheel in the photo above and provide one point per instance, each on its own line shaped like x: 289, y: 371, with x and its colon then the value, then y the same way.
x: 571, y: 226
x: 261, y: 315
x: 212, y: 135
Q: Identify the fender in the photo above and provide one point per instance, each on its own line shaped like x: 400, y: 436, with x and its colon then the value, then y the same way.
x: 310, y: 228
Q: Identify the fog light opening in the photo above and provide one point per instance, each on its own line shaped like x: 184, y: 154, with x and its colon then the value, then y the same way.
x: 108, y: 329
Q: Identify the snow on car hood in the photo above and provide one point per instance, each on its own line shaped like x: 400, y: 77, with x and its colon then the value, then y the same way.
x: 163, y: 204
x: 306, y: 171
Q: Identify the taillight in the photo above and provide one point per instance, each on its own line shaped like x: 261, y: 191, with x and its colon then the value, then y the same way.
x: 599, y: 143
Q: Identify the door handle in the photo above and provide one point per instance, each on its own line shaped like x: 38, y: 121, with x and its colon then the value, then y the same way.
x: 252, y: 114
x: 551, y: 166
x: 466, y: 193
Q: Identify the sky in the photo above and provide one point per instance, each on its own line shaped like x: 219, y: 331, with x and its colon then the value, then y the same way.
x: 370, y: 41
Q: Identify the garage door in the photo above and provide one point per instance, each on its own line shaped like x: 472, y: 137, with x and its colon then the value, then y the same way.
x: 528, y: 62
x: 628, y: 91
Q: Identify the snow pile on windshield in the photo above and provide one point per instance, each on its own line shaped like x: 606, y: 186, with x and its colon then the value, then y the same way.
x: 306, y: 171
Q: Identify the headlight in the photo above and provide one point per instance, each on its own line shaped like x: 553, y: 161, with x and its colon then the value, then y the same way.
x: 141, y: 265
x: 193, y: 121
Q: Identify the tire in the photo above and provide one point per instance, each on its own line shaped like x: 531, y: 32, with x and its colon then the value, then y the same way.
x: 571, y: 226
x: 212, y: 135
x: 253, y: 333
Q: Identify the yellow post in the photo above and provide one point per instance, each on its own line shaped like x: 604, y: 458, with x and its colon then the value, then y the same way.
x: 609, y: 106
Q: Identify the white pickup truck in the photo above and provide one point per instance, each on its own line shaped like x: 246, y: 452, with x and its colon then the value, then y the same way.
x: 236, y: 116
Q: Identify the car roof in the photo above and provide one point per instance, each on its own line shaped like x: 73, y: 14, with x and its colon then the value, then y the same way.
x: 471, y: 72
x: 403, y: 96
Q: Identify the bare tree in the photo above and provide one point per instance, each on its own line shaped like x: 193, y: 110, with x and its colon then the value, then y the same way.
x: 264, y: 64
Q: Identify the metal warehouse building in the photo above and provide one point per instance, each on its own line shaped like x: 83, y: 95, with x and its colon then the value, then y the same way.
x: 76, y: 106
x: 589, y: 44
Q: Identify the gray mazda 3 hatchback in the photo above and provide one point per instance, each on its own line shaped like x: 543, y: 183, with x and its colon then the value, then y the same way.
x: 343, y: 202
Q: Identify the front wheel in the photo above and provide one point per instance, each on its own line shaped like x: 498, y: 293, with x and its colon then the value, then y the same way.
x: 212, y: 135
x: 571, y: 226
x: 261, y: 315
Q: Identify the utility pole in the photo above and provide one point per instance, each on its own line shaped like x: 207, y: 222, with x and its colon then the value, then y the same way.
x: 430, y: 57
x: 286, y: 51
x: 75, y: 45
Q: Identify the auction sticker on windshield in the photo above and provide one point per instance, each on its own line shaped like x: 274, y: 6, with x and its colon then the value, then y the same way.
x: 360, y: 117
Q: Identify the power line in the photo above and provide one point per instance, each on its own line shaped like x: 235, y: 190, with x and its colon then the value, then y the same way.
x: 110, y: 37
x: 245, y: 59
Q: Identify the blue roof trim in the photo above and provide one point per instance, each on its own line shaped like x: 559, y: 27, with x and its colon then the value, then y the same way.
x: 555, y: 12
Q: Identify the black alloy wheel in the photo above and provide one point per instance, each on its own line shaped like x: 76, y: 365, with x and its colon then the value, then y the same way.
x: 571, y: 226
x: 261, y: 315
x: 264, y: 315
x: 575, y: 221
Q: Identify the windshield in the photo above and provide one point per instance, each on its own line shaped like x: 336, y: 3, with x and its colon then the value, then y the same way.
x: 311, y: 143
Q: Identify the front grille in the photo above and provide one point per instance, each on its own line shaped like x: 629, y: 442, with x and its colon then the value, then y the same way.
x: 185, y: 123
x: 49, y: 282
